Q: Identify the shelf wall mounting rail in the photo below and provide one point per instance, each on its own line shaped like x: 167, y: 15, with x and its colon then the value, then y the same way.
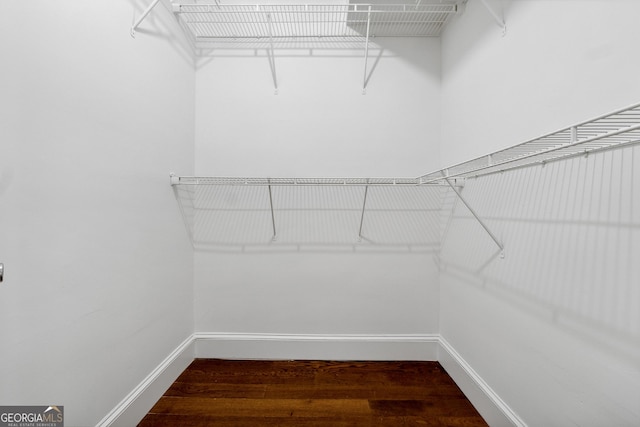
x: 611, y: 131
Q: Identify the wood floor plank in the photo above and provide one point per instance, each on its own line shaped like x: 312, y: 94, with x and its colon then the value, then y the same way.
x: 191, y: 389
x: 265, y: 407
x: 254, y: 372
x: 225, y: 393
x: 310, y: 391
x: 426, y: 407
x: 154, y: 420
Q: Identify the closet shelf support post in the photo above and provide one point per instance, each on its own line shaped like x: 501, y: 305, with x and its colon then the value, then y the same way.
x: 366, y: 52
x: 272, y: 59
x: 364, y: 204
x: 499, y: 20
x: 475, y: 215
x: 273, y: 218
x: 147, y: 11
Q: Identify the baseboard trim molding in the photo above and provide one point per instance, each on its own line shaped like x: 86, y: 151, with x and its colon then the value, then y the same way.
x: 317, y: 346
x: 419, y: 347
x: 140, y: 400
x: 492, y: 408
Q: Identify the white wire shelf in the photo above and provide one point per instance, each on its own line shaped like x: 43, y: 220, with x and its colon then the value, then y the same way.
x: 224, y: 213
x: 257, y: 181
x: 206, y: 22
x: 615, y: 130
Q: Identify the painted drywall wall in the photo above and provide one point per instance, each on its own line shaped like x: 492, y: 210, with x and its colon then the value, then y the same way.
x: 559, y: 62
x: 97, y: 290
x: 317, y: 277
x: 320, y: 124
x: 553, y: 327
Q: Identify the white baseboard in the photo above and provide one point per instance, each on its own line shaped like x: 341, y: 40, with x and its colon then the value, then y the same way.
x: 319, y: 347
x: 492, y: 408
x: 130, y: 411
x: 419, y: 347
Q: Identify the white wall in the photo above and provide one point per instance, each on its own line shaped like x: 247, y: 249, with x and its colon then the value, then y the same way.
x: 98, y: 283
x: 560, y: 62
x: 553, y: 328
x: 320, y: 124
x: 317, y: 278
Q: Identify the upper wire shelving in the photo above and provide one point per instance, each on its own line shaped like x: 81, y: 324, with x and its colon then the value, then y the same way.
x: 610, y: 131
x: 207, y: 22
x: 211, y: 25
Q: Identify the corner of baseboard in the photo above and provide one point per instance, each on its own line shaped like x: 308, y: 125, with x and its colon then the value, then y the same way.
x: 142, y: 398
x: 488, y: 403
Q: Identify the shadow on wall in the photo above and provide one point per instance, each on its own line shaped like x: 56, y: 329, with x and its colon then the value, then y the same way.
x: 297, y: 48
x: 378, y: 51
x: 161, y: 24
x: 236, y: 218
x: 571, y: 231
x: 479, y: 26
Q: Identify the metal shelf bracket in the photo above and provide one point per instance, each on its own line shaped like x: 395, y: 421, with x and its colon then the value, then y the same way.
x: 499, y: 19
x: 273, y: 218
x: 173, y: 179
x: 493, y: 237
x: 272, y: 59
x: 364, y: 204
x: 366, y: 52
x: 137, y: 23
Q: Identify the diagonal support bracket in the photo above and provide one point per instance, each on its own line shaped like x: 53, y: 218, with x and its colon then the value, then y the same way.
x: 273, y: 218
x: 147, y: 11
x: 366, y: 52
x: 493, y: 236
x: 499, y: 19
x: 272, y: 59
x: 364, y: 205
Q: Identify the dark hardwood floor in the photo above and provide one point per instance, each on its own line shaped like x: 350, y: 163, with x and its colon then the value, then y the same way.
x: 213, y: 392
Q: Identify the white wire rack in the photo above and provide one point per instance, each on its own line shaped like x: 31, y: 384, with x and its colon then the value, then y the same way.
x: 256, y: 181
x: 211, y: 25
x: 378, y: 212
x: 610, y: 131
x: 213, y: 22
x: 614, y: 130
